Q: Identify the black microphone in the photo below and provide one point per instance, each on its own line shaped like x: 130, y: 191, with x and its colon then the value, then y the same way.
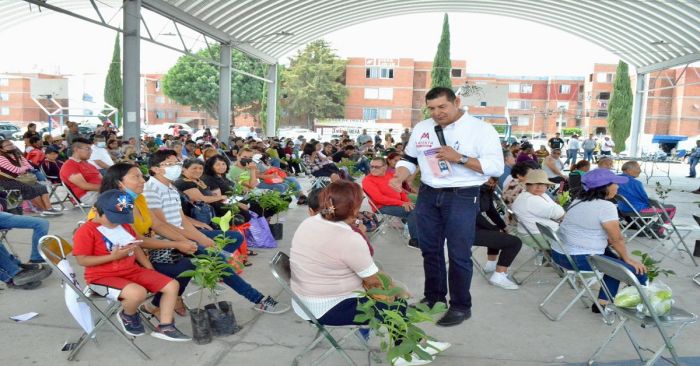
x: 440, y: 135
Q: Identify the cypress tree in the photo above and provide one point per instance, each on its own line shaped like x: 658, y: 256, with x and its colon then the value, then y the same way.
x: 620, y: 107
x: 442, y: 65
x: 113, y: 83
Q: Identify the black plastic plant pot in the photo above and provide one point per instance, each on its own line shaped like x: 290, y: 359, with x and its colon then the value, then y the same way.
x: 201, y: 330
x: 277, y: 230
x: 222, y: 321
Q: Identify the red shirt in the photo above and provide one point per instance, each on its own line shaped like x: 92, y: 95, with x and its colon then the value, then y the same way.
x: 87, y: 170
x: 377, y: 188
x: 88, y: 241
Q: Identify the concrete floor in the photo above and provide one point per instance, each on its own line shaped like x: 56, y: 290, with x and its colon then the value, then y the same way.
x: 506, y: 327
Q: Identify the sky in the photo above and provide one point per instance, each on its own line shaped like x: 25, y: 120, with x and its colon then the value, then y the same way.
x: 490, y: 45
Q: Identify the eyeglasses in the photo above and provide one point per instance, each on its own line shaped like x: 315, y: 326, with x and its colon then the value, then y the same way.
x: 376, y: 166
x: 165, y: 165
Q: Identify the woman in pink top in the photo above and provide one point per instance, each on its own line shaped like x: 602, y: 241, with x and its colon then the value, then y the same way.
x: 329, y: 261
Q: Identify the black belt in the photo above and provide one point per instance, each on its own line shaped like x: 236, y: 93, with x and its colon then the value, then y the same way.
x: 452, y: 189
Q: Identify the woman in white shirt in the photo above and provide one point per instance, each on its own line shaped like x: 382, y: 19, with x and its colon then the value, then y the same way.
x: 535, y: 206
x: 591, y: 227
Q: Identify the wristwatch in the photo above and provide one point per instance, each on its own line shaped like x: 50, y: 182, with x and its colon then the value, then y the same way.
x: 463, y: 160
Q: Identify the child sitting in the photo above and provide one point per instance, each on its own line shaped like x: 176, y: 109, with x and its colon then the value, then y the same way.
x: 106, y: 247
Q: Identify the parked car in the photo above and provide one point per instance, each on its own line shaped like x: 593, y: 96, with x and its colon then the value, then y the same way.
x: 7, y: 130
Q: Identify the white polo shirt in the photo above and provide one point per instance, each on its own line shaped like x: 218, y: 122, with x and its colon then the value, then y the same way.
x: 164, y: 197
x: 468, y: 135
x: 100, y: 153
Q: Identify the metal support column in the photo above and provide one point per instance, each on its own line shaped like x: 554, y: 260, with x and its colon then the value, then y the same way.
x: 225, y: 93
x: 638, y: 109
x: 131, y: 70
x: 271, y: 122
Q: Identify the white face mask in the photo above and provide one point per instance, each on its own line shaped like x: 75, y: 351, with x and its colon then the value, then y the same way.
x: 173, y: 172
x: 101, y: 144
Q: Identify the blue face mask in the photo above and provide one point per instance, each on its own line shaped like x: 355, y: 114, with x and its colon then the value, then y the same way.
x: 131, y: 193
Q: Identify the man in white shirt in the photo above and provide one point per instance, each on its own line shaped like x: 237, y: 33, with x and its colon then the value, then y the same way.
x: 252, y: 133
x: 363, y: 138
x: 607, y: 146
x: 452, y: 167
x: 572, y: 151
x: 100, y: 157
x: 588, y: 146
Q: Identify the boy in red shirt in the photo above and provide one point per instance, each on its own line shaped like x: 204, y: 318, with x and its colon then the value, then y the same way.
x: 107, y: 248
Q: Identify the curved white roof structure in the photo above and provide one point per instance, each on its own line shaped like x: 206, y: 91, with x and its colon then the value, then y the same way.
x: 648, y: 34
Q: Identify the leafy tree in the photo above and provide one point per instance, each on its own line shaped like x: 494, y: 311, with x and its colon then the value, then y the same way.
x: 113, y: 83
x: 195, y: 82
x: 442, y: 64
x: 313, y: 85
x: 620, y: 107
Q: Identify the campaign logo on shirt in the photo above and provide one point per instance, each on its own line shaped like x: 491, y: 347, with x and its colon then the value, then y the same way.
x: 424, y: 141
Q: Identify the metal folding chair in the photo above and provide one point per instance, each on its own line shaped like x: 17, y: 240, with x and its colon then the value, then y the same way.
x: 54, y: 250
x: 637, y: 221
x: 6, y: 243
x: 281, y: 271
x: 676, y: 318
x: 71, y: 196
x: 675, y: 233
x: 541, y: 250
x: 316, y: 182
x: 384, y: 219
x: 53, y: 187
x: 580, y: 281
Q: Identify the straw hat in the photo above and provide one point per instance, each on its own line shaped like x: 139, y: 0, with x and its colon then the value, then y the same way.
x: 535, y: 176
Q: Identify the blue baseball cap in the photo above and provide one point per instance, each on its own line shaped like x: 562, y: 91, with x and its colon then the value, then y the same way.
x: 601, y: 177
x: 117, y: 206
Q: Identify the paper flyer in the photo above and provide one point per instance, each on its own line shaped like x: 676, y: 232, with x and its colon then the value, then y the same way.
x: 439, y: 167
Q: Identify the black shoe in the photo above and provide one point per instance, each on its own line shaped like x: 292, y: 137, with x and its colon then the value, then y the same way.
x: 301, y: 200
x: 37, y: 261
x: 29, y: 275
x: 595, y: 309
x: 690, y: 176
x: 413, y: 243
x: 30, y: 265
x: 454, y: 317
x: 26, y: 286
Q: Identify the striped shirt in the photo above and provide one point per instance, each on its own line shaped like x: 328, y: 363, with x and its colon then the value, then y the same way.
x: 166, y: 198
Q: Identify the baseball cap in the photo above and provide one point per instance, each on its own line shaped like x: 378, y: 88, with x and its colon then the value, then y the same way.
x: 117, y: 206
x: 50, y: 150
x: 601, y: 177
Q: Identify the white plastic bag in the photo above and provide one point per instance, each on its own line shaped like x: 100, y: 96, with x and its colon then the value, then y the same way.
x: 660, y: 298
x: 628, y: 297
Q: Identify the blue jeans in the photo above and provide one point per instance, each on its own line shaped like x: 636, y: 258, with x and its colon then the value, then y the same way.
x: 571, y: 155
x: 410, y: 217
x: 9, y: 265
x: 363, y: 165
x: 279, y: 187
x: 588, y: 155
x: 581, y: 261
x: 293, y: 183
x: 693, y: 162
x: 451, y: 215
x: 275, y: 162
x: 39, y: 226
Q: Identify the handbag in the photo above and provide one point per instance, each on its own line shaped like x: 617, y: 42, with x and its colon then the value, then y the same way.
x: 26, y: 178
x: 202, y: 212
x: 258, y: 234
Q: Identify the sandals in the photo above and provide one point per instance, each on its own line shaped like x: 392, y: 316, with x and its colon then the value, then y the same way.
x: 150, y: 311
x: 252, y: 253
x: 246, y: 263
x: 180, y: 308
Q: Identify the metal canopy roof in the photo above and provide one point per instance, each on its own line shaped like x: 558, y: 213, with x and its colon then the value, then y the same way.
x: 648, y: 34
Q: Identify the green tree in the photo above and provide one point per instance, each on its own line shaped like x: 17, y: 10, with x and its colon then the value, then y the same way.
x: 195, y: 82
x: 313, y: 85
x: 442, y: 65
x: 620, y: 107
x: 113, y: 83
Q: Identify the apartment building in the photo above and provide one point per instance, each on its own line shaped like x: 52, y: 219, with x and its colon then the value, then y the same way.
x: 17, y: 90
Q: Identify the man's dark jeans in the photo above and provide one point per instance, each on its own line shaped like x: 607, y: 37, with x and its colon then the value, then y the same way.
x: 447, y: 214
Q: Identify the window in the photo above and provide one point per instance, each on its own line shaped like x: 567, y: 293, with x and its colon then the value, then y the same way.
x: 379, y: 73
x: 519, y: 104
x: 4, y: 82
x: 157, y: 85
x: 526, y: 88
x: 564, y: 105
x: 604, y: 77
x: 160, y: 99
x: 602, y: 113
x: 482, y: 104
x: 603, y: 104
x: 376, y: 113
x: 194, y: 109
x: 170, y: 114
x: 513, y: 88
x: 604, y: 96
x: 564, y: 89
x: 379, y: 93
x: 4, y: 97
x: 160, y: 114
x: 522, y: 121
x: 456, y: 73
x: 4, y: 111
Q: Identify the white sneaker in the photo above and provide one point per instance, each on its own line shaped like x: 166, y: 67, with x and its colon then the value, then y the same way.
x: 490, y: 266
x: 435, y: 347
x: 415, y: 361
x: 501, y: 280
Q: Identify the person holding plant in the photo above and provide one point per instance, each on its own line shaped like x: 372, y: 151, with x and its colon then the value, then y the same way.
x: 591, y: 226
x: 163, y: 202
x: 331, y: 263
x: 118, y: 267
